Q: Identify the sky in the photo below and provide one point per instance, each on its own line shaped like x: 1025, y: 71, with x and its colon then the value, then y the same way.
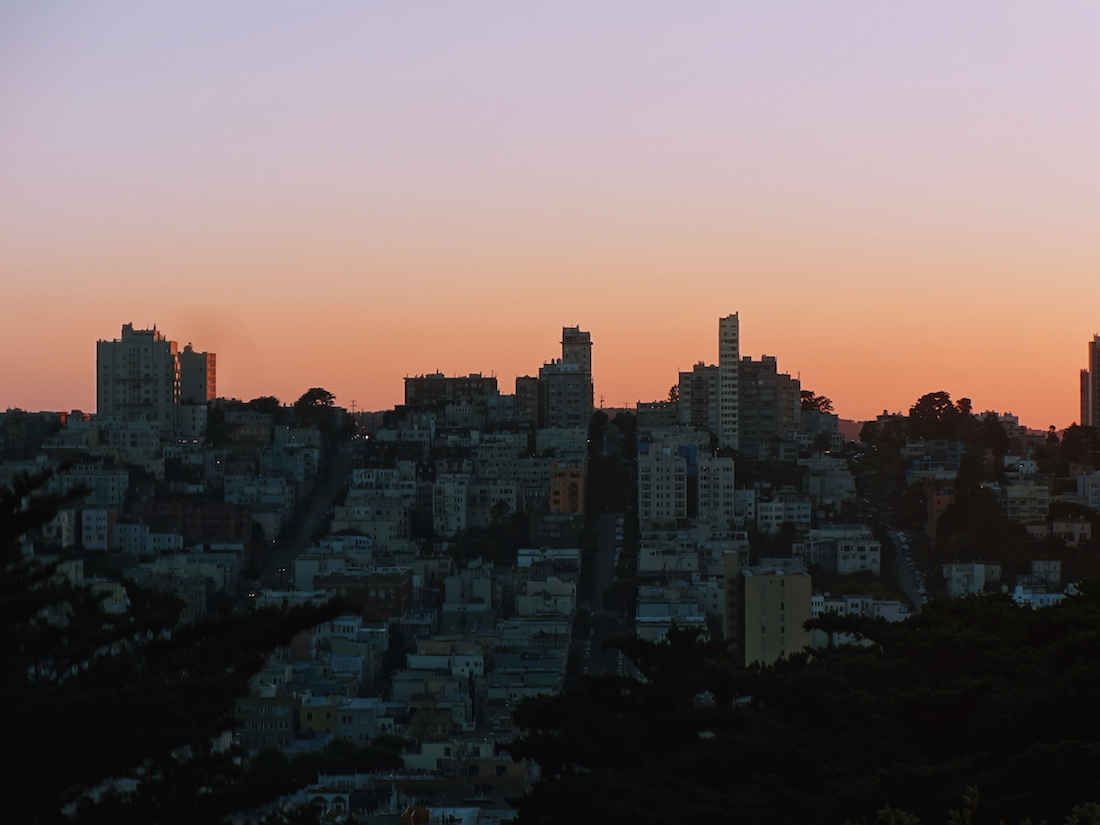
x: 897, y: 198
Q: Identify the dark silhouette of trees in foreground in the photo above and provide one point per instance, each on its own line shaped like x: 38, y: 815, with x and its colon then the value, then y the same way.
x: 973, y: 692
x: 113, y: 716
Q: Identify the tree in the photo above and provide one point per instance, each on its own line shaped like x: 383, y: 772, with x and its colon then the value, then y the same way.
x: 815, y: 403
x: 316, y: 397
x: 990, y: 433
x: 914, y: 717
x: 265, y: 404
x: 674, y: 393
x: 315, y: 409
x: 934, y: 416
x: 95, y: 698
x: 1081, y: 445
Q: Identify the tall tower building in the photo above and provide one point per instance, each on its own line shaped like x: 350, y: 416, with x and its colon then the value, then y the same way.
x: 1090, y: 386
x: 138, y: 379
x: 576, y: 348
x: 198, y: 376
x: 729, y: 357
x: 565, y: 385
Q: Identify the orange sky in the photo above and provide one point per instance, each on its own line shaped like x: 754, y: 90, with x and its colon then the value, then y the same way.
x: 896, y: 199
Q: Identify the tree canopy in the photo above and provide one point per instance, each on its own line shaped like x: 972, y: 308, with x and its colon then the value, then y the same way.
x: 815, y: 403
x: 112, y: 716
x: 972, y: 692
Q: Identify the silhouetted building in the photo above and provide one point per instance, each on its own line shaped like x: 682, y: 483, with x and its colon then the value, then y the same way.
x: 437, y: 388
x: 527, y: 400
x: 698, y: 404
x: 770, y: 404
x: 576, y: 348
x: 1090, y: 386
x: 138, y: 379
x: 198, y: 376
x: 565, y: 384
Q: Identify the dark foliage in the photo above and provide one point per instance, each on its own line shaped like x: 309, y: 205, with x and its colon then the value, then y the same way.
x: 112, y: 715
x: 973, y: 692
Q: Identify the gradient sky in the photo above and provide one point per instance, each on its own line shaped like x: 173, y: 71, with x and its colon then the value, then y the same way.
x: 896, y: 197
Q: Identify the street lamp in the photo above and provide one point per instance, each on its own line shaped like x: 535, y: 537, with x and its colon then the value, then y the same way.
x: 282, y: 570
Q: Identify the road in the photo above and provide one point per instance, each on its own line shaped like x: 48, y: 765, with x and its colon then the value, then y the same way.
x: 605, y: 623
x: 288, y: 548
x: 907, y: 579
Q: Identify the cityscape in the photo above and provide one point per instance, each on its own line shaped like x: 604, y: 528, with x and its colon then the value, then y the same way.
x: 549, y: 414
x: 477, y: 550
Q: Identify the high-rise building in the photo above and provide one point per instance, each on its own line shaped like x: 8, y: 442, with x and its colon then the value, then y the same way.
x: 527, y: 400
x: 576, y: 348
x: 770, y: 404
x: 565, y: 395
x: 1090, y: 386
x: 565, y: 385
x: 698, y: 403
x: 198, y: 376
x: 729, y: 357
x: 138, y: 379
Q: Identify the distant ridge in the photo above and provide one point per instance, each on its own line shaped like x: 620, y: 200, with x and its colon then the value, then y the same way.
x: 850, y: 429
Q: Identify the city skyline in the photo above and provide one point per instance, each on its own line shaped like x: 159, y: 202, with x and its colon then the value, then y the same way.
x: 896, y: 200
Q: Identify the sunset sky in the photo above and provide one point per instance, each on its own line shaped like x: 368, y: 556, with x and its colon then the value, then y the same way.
x: 896, y: 197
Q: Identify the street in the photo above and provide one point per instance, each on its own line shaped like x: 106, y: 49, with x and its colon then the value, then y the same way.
x: 286, y: 549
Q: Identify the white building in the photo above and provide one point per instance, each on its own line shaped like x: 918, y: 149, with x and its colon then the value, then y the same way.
x: 729, y: 359
x: 449, y: 503
x: 771, y: 515
x: 662, y: 485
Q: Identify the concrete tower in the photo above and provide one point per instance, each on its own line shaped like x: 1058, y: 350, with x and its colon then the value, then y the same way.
x: 138, y: 379
x: 1090, y: 386
x: 729, y: 357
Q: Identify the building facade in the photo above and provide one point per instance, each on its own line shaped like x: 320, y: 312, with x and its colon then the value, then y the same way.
x: 1090, y: 386
x: 766, y: 608
x: 698, y: 402
x: 729, y: 358
x: 198, y: 376
x: 770, y: 404
x: 138, y: 379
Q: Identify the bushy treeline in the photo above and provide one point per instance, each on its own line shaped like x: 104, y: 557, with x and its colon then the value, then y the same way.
x: 973, y: 692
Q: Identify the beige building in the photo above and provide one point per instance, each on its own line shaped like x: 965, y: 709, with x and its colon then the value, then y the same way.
x: 143, y: 376
x: 766, y: 608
